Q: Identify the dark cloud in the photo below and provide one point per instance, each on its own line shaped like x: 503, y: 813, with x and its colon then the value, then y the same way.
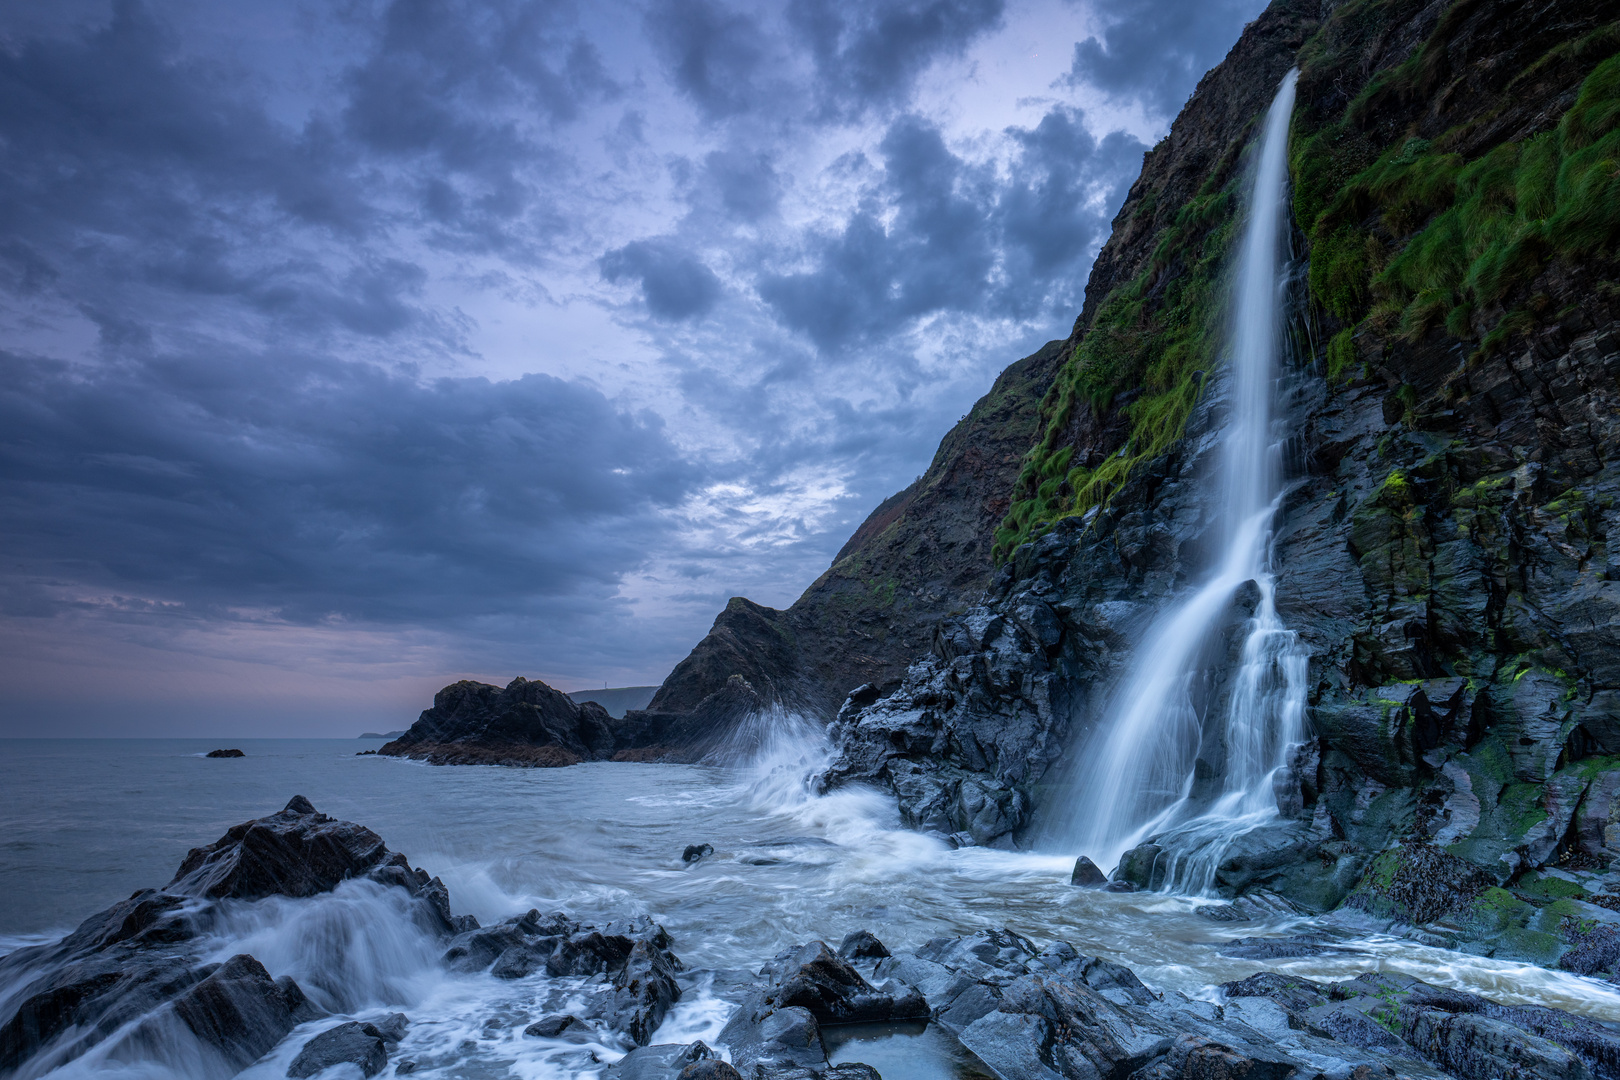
x: 746, y: 183
x: 941, y: 234
x: 315, y: 490
x: 674, y: 284
x: 1155, y: 51
x: 715, y: 54
x: 870, y: 52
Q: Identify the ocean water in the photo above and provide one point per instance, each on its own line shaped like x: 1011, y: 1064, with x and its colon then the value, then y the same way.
x: 85, y: 823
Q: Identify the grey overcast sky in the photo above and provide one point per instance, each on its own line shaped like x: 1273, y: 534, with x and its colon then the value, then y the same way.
x: 352, y: 347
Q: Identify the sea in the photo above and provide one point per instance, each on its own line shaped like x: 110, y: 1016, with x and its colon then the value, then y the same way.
x: 84, y: 823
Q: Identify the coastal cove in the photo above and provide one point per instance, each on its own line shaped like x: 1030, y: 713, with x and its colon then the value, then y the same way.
x: 603, y: 841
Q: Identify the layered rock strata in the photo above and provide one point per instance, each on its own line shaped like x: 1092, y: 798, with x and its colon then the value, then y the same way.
x: 1445, y: 548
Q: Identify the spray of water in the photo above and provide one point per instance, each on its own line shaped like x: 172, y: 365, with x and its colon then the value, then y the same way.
x: 1141, y: 764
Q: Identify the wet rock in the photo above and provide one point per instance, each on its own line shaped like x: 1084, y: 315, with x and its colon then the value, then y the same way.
x: 1087, y: 874
x: 224, y: 754
x: 240, y: 1011
x: 404, y: 1068
x: 352, y: 1043
x: 525, y: 724
x: 1465, y: 1035
x: 694, y: 852
x: 986, y: 950
x: 137, y: 971
x: 662, y: 1062
x: 1143, y: 866
x: 1200, y: 1057
x: 391, y: 1026
x: 762, y: 1036
x: 1417, y: 883
x: 852, y: 1070
x: 862, y: 945
x: 298, y: 852
x: 589, y: 952
x: 643, y: 992
x: 562, y: 1026
x: 1277, y: 948
x: 709, y: 1069
x: 814, y: 978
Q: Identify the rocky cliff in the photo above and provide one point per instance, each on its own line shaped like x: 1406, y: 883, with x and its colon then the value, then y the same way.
x: 1444, y: 547
x: 526, y: 723
x: 923, y: 553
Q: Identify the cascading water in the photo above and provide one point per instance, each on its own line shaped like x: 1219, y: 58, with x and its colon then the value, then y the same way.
x: 1142, y: 763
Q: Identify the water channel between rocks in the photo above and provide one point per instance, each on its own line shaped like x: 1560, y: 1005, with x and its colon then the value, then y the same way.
x: 87, y: 822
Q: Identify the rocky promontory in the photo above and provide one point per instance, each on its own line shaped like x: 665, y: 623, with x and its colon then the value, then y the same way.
x: 137, y: 972
x: 527, y: 723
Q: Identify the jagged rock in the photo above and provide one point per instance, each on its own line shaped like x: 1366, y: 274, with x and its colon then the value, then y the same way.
x: 526, y: 723
x: 813, y: 977
x: 709, y: 1069
x: 862, y: 945
x: 298, y: 852
x: 114, y: 975
x: 561, y: 1026
x: 643, y: 992
x: 694, y: 852
x: 930, y: 547
x: 363, y: 1045
x: 663, y: 1062
x: 1087, y: 874
x: 224, y: 754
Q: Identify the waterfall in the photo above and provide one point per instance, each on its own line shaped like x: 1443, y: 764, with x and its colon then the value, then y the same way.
x: 1142, y: 762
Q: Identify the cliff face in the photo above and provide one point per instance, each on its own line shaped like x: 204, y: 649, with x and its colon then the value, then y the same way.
x: 923, y: 553
x: 1445, y: 548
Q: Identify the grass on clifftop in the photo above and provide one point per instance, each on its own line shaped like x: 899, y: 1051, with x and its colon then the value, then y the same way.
x: 1410, y: 237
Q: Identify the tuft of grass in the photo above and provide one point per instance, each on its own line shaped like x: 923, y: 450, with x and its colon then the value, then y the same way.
x: 1469, y: 236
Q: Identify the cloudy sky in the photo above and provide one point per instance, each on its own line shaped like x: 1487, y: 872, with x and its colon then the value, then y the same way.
x: 350, y: 347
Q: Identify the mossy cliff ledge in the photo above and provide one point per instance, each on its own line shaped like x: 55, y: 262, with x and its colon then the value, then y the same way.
x: 1445, y: 548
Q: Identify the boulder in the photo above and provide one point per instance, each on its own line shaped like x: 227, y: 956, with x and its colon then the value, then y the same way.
x: 355, y: 1043
x: 562, y: 1026
x: 862, y: 945
x: 1087, y: 874
x: 224, y: 754
x: 240, y: 1011
x: 663, y: 1062
x: 694, y: 852
x: 815, y: 978
x: 643, y: 992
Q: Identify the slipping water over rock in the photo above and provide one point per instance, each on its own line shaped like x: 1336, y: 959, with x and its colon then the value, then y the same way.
x: 1158, y: 767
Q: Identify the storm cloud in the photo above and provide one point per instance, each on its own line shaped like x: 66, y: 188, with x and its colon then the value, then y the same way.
x: 436, y: 338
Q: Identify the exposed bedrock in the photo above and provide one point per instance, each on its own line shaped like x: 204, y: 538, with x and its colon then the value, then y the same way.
x: 1445, y: 549
x: 110, y: 977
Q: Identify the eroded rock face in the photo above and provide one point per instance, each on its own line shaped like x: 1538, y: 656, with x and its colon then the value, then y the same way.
x: 1444, y: 552
x: 121, y: 965
x: 525, y: 724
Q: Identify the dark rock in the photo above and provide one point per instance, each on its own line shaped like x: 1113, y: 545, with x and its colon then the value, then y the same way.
x: 694, y: 852
x: 224, y: 753
x: 298, y: 852
x: 662, y: 1062
x: 643, y: 992
x: 709, y: 1069
x: 862, y: 945
x: 404, y: 1068
x: 352, y: 1043
x: 589, y: 952
x: 1277, y: 948
x: 240, y: 1011
x: 814, y: 978
x: 526, y: 724
x: 852, y: 1070
x: 561, y: 1026
x: 1087, y: 875
x: 391, y: 1026
x: 136, y: 971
